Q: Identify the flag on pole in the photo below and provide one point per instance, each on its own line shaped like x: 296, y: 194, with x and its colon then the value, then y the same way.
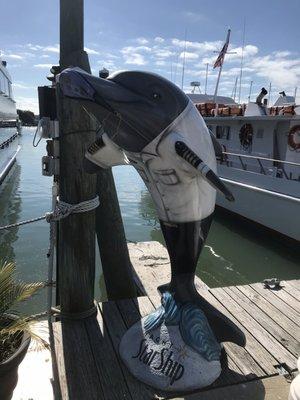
x: 221, y: 56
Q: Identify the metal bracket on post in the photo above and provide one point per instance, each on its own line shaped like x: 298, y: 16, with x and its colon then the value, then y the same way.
x: 50, y: 166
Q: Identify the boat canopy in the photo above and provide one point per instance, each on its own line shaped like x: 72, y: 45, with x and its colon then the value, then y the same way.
x: 209, y: 98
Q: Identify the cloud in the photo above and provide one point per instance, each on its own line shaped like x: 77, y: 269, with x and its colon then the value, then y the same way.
x: 51, y: 49
x: 132, y: 55
x: 135, y: 49
x: 188, y: 55
x: 12, y: 56
x: 34, y: 47
x: 135, y: 59
x: 160, y: 63
x: 163, y: 53
x: 142, y: 40
x: 47, y: 66
x: 201, y: 47
x: 249, y: 51
x: 21, y: 85
x: 159, y: 39
x: 91, y: 51
x: 280, y: 54
x: 27, y: 103
x: 281, y: 71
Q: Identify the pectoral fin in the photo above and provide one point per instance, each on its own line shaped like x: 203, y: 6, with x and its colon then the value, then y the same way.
x: 188, y: 155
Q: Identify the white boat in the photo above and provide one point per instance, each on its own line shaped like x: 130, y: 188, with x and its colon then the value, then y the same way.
x: 261, y: 159
x: 9, y: 124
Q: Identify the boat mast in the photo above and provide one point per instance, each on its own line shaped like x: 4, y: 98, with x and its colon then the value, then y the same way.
x: 270, y: 88
x: 206, y: 78
x: 250, y: 90
x: 234, y: 88
x: 295, y: 93
x: 242, y: 61
x: 183, y: 62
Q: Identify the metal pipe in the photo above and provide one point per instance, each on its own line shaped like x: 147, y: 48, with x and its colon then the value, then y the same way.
x: 206, y: 78
x: 261, y: 95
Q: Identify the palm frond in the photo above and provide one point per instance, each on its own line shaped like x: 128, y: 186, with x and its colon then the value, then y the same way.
x: 24, y: 325
x: 13, y: 292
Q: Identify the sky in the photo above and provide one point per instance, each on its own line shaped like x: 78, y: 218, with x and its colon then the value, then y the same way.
x: 150, y: 35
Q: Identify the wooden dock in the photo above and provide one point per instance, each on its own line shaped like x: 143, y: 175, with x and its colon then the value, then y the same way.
x: 85, y: 353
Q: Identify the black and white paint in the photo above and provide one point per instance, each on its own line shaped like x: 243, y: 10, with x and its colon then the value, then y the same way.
x: 149, y: 123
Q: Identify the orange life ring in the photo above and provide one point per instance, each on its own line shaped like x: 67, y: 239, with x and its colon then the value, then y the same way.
x: 291, y: 138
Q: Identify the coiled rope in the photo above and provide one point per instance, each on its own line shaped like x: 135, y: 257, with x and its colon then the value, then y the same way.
x: 62, y: 210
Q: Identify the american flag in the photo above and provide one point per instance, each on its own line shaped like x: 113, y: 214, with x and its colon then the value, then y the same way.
x: 221, y: 56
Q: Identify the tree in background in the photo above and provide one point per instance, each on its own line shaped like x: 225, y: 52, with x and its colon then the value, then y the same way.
x: 27, y: 117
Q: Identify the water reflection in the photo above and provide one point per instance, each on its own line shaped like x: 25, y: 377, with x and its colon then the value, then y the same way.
x: 10, y: 207
x: 235, y: 252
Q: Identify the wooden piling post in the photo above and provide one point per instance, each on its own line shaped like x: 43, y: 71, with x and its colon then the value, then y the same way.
x: 76, y: 245
x: 116, y: 265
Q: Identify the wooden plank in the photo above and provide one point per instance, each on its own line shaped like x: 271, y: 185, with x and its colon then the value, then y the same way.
x: 151, y: 264
x: 277, y: 302
x: 291, y: 344
x: 288, y: 299
x: 106, y: 361
x: 291, y: 289
x: 78, y: 378
x: 295, y: 283
x: 279, y: 317
x: 267, y: 340
x: 117, y: 329
x: 239, y: 359
x: 273, y: 388
x: 128, y: 311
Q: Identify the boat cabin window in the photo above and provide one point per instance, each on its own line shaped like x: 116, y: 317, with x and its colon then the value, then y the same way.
x: 223, y: 132
x: 4, y: 84
x: 260, y: 133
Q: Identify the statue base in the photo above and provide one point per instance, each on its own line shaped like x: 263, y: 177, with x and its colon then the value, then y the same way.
x: 162, y: 359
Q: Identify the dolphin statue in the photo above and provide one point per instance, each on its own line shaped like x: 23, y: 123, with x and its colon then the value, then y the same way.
x: 150, y: 123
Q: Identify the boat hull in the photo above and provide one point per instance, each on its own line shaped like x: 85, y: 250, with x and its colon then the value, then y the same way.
x: 276, y: 211
x: 9, y: 148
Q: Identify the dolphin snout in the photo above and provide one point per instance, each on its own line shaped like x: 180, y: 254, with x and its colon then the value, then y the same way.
x: 77, y: 84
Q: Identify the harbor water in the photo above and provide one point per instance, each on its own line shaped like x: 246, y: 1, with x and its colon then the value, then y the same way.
x: 235, y: 253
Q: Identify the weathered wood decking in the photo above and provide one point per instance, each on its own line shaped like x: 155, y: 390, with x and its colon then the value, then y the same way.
x: 86, y: 352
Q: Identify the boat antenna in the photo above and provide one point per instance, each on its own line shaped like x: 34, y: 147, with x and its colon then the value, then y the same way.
x: 250, y: 90
x: 295, y: 93
x: 175, y: 70
x: 270, y: 88
x: 183, y: 62
x: 234, y: 88
x: 206, y: 75
x: 242, y: 61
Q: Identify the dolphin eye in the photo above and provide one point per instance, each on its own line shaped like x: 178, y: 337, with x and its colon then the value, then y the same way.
x: 156, y: 96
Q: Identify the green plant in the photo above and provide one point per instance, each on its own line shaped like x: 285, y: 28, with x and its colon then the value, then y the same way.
x: 12, y: 323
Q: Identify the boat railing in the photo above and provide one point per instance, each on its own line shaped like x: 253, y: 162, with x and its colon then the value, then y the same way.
x: 224, y: 159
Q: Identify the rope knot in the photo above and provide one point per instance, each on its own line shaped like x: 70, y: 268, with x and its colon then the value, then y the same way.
x: 63, y: 209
